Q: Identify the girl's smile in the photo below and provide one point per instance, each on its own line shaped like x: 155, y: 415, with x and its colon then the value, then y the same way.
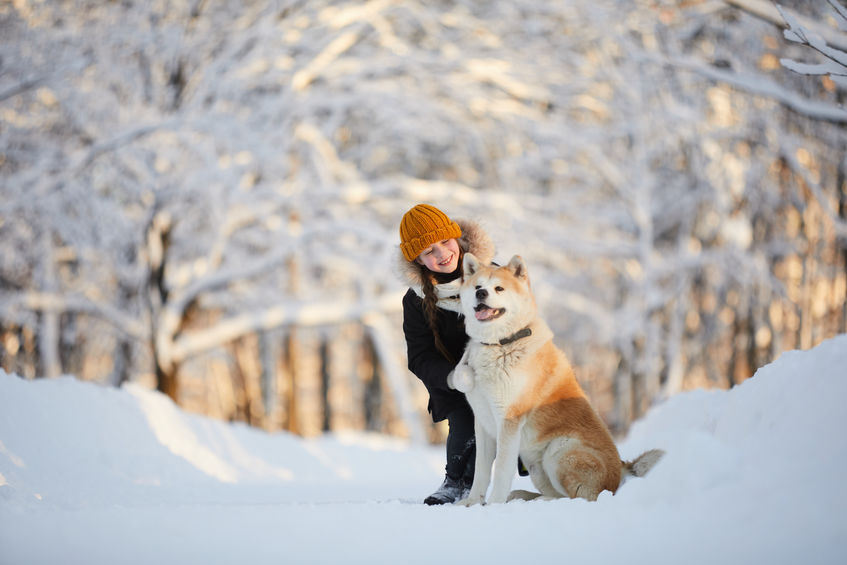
x: 441, y: 256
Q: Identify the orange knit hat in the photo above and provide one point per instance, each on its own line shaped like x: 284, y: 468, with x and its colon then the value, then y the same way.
x: 422, y: 226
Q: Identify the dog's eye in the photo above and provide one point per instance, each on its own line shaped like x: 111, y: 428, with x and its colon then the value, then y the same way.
x: 477, y: 287
x: 499, y: 288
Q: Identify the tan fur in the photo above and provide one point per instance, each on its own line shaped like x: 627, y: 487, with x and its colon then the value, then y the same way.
x: 527, y: 401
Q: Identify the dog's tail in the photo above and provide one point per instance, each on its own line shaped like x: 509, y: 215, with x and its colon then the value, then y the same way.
x: 639, y: 466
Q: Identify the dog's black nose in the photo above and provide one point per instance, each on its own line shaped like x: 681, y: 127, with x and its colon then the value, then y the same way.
x: 481, y: 294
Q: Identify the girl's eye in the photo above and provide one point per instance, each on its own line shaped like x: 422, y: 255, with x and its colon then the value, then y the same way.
x: 499, y: 288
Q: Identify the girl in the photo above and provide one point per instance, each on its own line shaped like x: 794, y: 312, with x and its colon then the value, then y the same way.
x: 432, y: 247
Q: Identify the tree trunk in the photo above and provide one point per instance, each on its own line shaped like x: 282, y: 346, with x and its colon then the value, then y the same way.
x: 325, y: 383
x: 166, y: 382
x: 122, y: 363
x: 623, y: 397
x: 373, y: 387
x: 123, y: 355
x: 48, y: 335
x: 10, y: 346
x: 292, y: 363
x: 157, y: 241
x: 268, y: 353
x: 247, y: 374
x: 396, y: 376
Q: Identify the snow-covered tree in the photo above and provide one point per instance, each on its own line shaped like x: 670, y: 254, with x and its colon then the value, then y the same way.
x: 207, y: 194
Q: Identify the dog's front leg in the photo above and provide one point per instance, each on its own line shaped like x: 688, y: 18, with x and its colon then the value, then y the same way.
x: 508, y: 446
x: 486, y: 445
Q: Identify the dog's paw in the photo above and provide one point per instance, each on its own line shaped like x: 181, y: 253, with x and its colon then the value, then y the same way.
x: 496, y: 498
x: 470, y: 501
x: 462, y: 378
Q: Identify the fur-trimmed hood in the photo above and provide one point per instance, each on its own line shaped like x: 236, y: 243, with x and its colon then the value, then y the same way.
x: 474, y: 240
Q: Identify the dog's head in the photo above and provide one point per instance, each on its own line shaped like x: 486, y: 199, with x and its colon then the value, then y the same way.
x: 496, y: 301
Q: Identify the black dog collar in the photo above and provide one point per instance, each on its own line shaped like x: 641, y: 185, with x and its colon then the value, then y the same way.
x: 520, y: 334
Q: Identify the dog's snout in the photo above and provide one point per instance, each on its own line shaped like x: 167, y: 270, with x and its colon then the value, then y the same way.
x: 481, y: 294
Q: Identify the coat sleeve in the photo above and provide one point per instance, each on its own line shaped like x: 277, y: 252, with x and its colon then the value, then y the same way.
x: 425, y: 361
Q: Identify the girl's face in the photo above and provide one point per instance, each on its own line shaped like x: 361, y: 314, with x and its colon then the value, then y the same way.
x: 441, y: 256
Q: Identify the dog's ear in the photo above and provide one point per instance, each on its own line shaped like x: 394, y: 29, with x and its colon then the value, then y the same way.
x: 470, y: 265
x: 518, y: 267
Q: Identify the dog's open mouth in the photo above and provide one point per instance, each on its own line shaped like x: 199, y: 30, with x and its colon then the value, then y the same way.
x: 484, y: 313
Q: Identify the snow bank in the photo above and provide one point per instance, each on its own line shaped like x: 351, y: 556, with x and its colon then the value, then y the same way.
x: 71, y: 444
x: 97, y: 475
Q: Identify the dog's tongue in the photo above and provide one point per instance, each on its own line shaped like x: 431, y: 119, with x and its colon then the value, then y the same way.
x: 484, y: 314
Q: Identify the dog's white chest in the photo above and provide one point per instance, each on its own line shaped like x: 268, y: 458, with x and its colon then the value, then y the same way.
x: 498, y: 383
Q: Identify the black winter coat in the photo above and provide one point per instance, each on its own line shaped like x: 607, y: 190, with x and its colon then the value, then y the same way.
x: 425, y: 361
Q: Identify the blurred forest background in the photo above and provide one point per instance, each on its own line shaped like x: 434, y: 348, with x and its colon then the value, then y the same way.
x: 203, y: 196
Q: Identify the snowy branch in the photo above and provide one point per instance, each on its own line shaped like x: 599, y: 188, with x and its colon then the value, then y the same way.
x: 20, y: 87
x: 120, y: 140
x: 47, y: 302
x: 775, y: 14
x: 836, y: 65
x: 763, y: 87
x: 300, y: 314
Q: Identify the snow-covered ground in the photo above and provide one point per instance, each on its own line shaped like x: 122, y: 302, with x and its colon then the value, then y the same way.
x: 96, y: 475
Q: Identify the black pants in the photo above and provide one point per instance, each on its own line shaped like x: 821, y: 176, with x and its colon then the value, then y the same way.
x: 461, y: 444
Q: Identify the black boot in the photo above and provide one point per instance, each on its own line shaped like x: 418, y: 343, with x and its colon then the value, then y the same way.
x: 461, y: 454
x: 449, y: 492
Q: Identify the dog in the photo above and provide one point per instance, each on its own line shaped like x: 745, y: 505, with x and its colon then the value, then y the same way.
x: 525, y: 398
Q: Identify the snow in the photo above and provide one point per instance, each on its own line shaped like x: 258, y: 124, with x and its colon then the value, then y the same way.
x: 98, y: 475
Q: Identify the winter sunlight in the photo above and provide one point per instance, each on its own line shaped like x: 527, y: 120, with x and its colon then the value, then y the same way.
x: 237, y: 322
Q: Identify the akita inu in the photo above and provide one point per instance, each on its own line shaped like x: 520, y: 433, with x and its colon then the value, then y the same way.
x: 525, y: 397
